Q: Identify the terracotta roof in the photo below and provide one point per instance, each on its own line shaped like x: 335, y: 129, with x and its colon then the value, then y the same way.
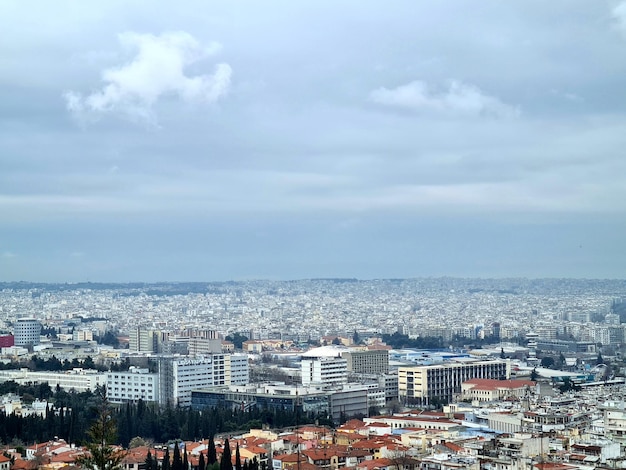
x: 495, y: 384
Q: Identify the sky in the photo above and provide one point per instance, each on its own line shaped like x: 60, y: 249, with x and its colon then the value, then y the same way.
x: 206, y: 141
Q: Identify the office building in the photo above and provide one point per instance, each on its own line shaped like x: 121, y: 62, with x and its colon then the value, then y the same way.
x: 27, y: 332
x: 433, y: 384
x: 136, y: 384
x: 178, y: 376
x: 364, y: 361
x: 325, y: 366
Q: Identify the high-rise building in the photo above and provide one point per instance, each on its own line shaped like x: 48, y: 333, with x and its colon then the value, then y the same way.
x: 27, y: 332
x: 422, y: 385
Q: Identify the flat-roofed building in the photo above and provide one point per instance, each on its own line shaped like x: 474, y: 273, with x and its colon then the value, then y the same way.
x: 27, y: 332
x: 426, y: 385
x: 136, y: 384
x: 365, y: 361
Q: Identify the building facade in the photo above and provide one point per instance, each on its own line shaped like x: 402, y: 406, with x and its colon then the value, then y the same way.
x: 365, y: 361
x: 433, y: 384
x: 136, y: 384
x: 325, y: 367
x: 27, y: 332
x: 178, y: 376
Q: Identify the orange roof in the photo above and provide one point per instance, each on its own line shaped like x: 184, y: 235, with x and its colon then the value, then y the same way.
x: 495, y: 384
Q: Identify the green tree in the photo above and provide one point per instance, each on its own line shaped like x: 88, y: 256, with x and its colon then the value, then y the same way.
x: 201, y: 462
x: 102, y: 433
x: 166, y: 460
x: 149, y: 461
x: 534, y: 375
x: 237, y: 458
x: 599, y: 359
x: 226, y: 463
x: 211, y: 452
x: 177, y: 463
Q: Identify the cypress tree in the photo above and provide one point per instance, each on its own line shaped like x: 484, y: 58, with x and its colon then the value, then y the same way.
x: 177, y: 463
x: 166, y: 460
x: 201, y: 464
x: 226, y: 462
x: 149, y: 463
x: 185, y: 459
x: 238, y: 459
x: 211, y: 452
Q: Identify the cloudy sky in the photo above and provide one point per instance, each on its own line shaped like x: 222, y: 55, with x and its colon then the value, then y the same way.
x: 195, y: 140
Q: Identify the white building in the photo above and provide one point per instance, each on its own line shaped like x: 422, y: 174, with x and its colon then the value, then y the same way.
x: 238, y: 372
x: 325, y: 366
x: 27, y: 332
x: 77, y: 379
x: 136, y: 384
x: 178, y: 375
x: 424, y: 384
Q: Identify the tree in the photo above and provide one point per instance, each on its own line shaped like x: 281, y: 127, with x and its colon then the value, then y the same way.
x: 137, y: 442
x: 502, y: 355
x: 356, y: 339
x: 177, y: 463
x: 102, y: 433
x: 547, y: 362
x: 166, y: 460
x: 237, y: 458
x: 599, y: 359
x: 534, y: 375
x: 201, y: 462
x: 149, y: 461
x: 185, y: 459
x: 226, y: 462
x: 211, y: 452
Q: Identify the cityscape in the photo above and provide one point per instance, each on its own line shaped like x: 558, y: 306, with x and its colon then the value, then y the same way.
x: 312, y: 235
x: 390, y: 373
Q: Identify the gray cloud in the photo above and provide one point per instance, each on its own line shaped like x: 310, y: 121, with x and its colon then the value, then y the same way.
x: 333, y: 129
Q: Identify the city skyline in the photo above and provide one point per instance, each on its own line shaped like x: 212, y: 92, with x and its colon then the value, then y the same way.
x: 209, y: 142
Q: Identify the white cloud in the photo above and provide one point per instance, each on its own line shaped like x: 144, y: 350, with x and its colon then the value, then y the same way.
x: 9, y: 254
x: 156, y: 70
x: 459, y: 99
x: 619, y: 15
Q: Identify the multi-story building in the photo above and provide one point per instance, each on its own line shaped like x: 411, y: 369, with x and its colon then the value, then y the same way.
x: 7, y: 341
x: 78, y: 379
x: 237, y: 370
x: 347, y: 401
x: 82, y: 335
x: 178, y: 376
x: 27, y: 332
x: 136, y: 384
x: 423, y: 385
x: 324, y: 366
x: 375, y: 361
